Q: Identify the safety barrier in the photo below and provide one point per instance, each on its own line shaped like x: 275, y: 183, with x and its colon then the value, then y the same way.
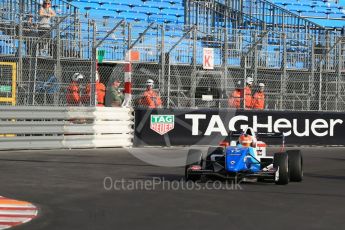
x: 69, y: 127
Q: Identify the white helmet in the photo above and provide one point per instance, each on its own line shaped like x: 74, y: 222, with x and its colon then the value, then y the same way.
x: 77, y: 76
x: 261, y: 85
x: 149, y: 82
x: 238, y: 85
x: 249, y: 80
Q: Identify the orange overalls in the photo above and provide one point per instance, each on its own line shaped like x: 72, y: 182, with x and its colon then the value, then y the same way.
x: 73, y: 97
x: 248, y: 97
x: 150, y: 99
x: 100, y: 92
x: 235, y: 99
x: 259, y: 100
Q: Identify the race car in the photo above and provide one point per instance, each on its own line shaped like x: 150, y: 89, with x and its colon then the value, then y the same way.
x: 245, y: 158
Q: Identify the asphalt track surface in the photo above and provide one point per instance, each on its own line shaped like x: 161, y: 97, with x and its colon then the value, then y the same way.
x: 67, y: 186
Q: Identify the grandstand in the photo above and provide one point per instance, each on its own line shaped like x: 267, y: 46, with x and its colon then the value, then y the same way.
x: 292, y: 46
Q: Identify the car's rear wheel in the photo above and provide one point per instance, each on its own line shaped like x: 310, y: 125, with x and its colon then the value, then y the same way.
x: 194, y: 157
x: 295, y: 165
x: 281, y: 163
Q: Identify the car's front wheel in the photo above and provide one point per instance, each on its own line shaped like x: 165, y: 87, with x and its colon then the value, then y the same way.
x: 194, y: 157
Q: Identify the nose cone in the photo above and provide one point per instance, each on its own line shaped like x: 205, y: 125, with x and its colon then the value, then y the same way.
x: 235, y: 159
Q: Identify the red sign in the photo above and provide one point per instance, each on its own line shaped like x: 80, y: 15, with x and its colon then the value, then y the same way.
x: 208, y: 58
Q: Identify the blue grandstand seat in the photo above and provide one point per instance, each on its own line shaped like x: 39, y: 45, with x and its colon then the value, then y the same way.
x: 136, y: 10
x: 323, y: 12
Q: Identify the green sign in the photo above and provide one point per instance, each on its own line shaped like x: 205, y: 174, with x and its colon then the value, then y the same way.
x: 100, y: 55
x: 162, y: 123
x: 5, y: 88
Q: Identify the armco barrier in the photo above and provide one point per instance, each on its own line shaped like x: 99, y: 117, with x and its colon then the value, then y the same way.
x: 209, y: 126
x: 71, y: 127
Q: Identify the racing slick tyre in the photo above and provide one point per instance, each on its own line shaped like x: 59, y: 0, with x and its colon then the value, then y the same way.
x: 194, y: 157
x: 281, y: 163
x: 295, y: 165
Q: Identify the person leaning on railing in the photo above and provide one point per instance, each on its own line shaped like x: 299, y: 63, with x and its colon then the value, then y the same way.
x: 46, y: 13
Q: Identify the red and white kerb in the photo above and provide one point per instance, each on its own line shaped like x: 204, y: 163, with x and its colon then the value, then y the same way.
x: 15, y: 212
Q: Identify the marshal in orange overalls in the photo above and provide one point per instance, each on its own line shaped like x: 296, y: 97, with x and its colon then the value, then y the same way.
x: 259, y: 100
x: 150, y: 99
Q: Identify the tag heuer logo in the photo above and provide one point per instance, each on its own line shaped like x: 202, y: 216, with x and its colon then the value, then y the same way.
x: 162, y: 123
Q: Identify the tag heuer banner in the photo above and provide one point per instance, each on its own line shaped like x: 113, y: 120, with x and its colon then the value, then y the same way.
x: 162, y: 123
x: 165, y: 127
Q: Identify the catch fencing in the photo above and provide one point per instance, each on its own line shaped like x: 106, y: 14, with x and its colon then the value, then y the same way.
x: 301, y: 71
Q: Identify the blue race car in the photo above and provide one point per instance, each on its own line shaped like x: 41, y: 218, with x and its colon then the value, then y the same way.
x: 235, y: 160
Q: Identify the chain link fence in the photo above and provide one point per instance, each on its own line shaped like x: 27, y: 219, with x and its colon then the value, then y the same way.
x: 301, y: 71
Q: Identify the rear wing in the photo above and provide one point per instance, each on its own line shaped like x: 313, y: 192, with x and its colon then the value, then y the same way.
x: 261, y: 135
x: 271, y: 135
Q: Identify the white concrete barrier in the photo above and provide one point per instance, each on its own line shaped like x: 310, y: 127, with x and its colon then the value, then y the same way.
x: 69, y: 127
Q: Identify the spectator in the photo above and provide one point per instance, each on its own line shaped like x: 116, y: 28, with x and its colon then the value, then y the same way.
x: 29, y: 32
x: 117, y: 96
x: 259, y: 97
x: 29, y: 26
x: 235, y: 97
x: 150, y: 98
x: 46, y: 13
x: 73, y: 90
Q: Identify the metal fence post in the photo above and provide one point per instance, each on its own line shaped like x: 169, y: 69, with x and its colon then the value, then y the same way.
x: 284, y: 74
x: 58, y: 70
x: 255, y: 63
x: 93, y: 65
x: 225, y: 66
x: 162, y: 49
x: 129, y: 38
x: 338, y: 78
x: 20, y: 44
x: 320, y: 86
x: 311, y: 75
x: 58, y: 53
x: 194, y: 75
x: 243, y: 104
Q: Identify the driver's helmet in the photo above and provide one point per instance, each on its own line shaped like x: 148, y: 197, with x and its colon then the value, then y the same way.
x: 245, y: 140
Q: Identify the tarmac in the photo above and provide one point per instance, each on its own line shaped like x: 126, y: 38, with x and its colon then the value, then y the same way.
x: 111, y: 189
